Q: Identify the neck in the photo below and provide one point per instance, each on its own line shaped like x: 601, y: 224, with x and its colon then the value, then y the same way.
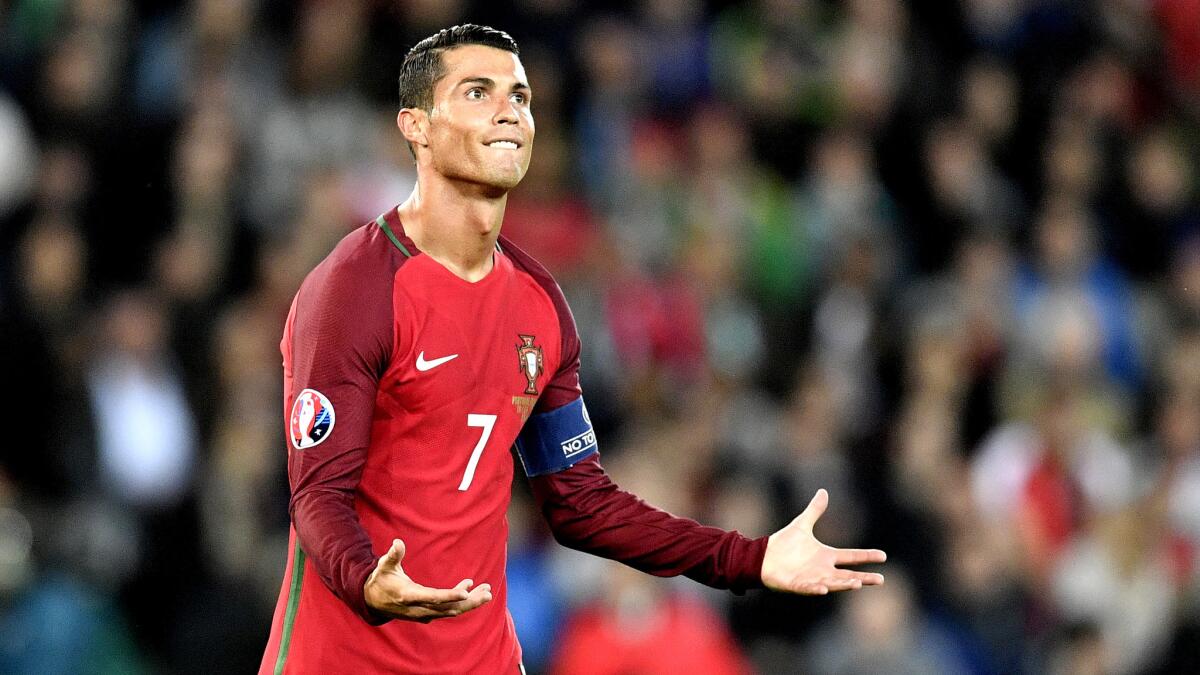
x: 455, y: 224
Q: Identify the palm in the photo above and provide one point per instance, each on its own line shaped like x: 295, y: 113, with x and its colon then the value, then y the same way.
x: 392, y: 593
x: 797, y: 562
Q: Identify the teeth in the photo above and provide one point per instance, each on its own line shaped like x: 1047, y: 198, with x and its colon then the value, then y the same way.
x: 503, y: 144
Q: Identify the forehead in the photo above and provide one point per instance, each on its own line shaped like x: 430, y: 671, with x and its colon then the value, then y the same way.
x: 481, y: 61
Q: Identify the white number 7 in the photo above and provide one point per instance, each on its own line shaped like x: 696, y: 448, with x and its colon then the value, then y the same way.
x: 486, y: 422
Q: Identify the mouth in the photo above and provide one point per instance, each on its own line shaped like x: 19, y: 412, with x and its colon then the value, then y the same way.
x: 504, y: 144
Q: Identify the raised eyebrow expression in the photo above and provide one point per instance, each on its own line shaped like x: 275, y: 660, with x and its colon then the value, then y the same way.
x: 489, y: 83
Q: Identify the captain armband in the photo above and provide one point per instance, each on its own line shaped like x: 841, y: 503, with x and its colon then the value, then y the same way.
x: 555, y: 440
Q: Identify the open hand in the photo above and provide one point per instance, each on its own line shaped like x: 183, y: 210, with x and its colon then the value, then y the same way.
x: 390, y: 592
x: 796, y: 562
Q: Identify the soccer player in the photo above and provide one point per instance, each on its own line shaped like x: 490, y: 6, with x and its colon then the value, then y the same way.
x: 415, y: 356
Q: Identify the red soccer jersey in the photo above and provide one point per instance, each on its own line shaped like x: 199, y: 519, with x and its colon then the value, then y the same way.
x: 431, y: 378
x: 404, y: 388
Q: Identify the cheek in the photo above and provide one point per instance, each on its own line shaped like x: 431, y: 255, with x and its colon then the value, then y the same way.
x: 455, y: 146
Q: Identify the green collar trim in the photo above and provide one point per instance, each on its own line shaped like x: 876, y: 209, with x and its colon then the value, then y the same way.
x: 382, y: 222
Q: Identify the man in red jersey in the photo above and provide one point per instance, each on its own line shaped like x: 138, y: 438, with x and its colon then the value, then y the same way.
x: 415, y: 356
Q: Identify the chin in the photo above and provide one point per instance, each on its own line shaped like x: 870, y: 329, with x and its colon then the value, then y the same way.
x: 503, y: 180
x: 506, y: 173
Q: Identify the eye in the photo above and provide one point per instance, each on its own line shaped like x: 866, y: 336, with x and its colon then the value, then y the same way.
x: 519, y: 97
x: 475, y: 93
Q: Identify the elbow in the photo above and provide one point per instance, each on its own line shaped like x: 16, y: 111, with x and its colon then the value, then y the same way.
x: 564, y: 526
x: 570, y: 503
x: 307, y: 505
x: 562, y: 538
x: 567, y: 538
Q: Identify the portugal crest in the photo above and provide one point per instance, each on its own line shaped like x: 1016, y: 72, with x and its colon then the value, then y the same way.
x: 529, y: 357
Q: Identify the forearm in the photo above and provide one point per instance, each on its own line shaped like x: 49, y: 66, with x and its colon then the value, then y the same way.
x: 336, y: 544
x: 588, y: 512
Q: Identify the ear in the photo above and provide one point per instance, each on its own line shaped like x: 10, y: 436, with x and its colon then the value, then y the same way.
x: 414, y: 124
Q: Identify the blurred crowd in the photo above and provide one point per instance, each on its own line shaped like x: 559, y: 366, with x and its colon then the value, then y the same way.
x: 941, y: 258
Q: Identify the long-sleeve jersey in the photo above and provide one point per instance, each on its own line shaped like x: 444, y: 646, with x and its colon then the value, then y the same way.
x: 405, y: 387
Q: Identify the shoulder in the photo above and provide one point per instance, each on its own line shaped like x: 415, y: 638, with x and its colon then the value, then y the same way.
x: 350, y: 291
x: 363, y: 257
x: 527, y: 264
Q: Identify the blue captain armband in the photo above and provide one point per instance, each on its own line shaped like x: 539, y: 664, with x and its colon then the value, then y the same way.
x: 552, y: 441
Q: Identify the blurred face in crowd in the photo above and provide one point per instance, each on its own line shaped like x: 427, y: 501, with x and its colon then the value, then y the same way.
x: 480, y: 127
x: 1159, y: 173
x: 53, y: 259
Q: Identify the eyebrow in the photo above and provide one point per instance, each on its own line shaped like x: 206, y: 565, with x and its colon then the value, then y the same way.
x: 489, y: 82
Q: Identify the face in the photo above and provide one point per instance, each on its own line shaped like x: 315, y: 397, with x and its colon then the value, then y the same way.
x: 481, y: 127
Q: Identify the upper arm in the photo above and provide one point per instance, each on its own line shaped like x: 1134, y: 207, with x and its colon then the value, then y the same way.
x: 564, y: 386
x: 559, y: 432
x: 341, y: 341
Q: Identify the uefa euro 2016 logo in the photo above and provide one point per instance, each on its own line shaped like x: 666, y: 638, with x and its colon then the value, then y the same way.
x: 530, y: 359
x: 311, y: 420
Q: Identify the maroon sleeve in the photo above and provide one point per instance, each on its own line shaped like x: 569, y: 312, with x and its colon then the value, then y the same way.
x: 586, y: 511
x: 341, y: 342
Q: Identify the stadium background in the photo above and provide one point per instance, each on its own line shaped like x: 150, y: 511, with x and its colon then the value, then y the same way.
x: 942, y: 258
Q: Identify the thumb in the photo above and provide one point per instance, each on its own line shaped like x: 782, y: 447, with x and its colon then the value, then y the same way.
x: 814, y: 511
x: 395, y: 554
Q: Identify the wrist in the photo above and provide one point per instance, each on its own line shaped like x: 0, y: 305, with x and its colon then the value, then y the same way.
x: 767, y: 564
x: 373, y: 602
x: 754, y: 557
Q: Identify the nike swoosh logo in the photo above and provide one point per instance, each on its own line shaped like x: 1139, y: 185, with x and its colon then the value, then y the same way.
x: 423, y: 365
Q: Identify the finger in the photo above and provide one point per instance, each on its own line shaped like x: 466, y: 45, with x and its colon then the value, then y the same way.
x: 867, y: 578
x: 417, y: 594
x: 424, y: 614
x: 465, y: 586
x: 859, y: 556
x: 815, y: 509
x: 478, y: 597
x: 835, y: 584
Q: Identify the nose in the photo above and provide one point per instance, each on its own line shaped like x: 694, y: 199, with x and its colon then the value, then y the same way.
x: 507, y: 114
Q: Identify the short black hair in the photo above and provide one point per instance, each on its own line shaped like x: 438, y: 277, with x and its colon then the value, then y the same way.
x: 423, y: 66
